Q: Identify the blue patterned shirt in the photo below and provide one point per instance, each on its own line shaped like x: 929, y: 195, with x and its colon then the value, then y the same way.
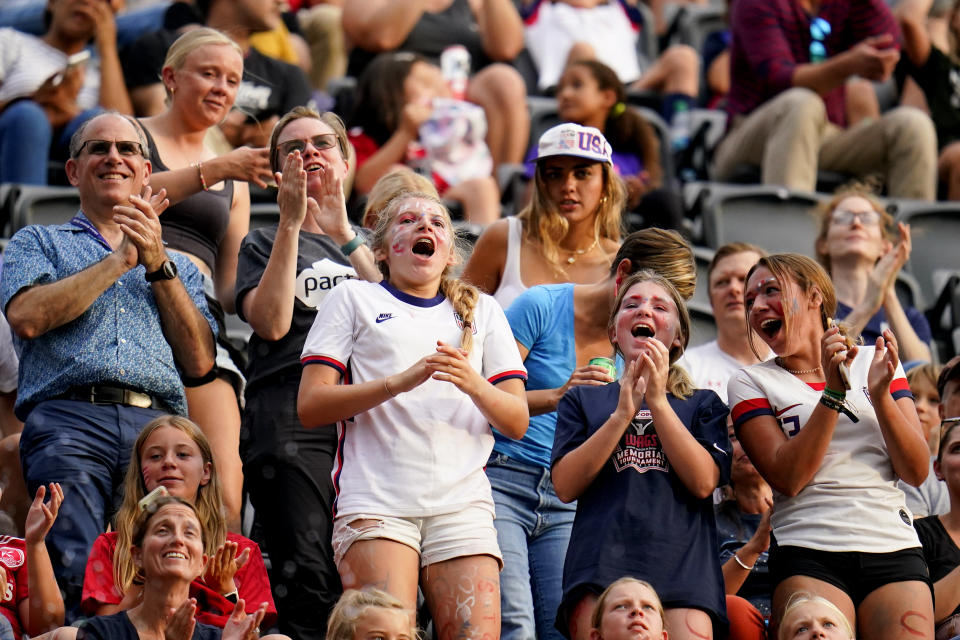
x: 118, y: 340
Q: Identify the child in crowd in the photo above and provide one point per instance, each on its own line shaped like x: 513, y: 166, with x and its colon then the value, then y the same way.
x: 590, y: 94
x: 807, y: 617
x: 30, y: 602
x: 931, y: 498
x: 173, y: 453
x: 431, y: 364
x: 397, y: 95
x: 370, y: 613
x: 642, y: 457
x: 628, y: 608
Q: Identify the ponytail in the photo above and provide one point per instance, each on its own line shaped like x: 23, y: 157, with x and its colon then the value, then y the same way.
x: 464, y: 298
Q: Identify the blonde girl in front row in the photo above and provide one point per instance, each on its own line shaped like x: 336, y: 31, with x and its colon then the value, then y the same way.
x: 370, y: 613
x: 416, y: 369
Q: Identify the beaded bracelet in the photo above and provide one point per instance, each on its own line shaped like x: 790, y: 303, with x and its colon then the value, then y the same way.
x: 839, y: 406
x: 203, y: 182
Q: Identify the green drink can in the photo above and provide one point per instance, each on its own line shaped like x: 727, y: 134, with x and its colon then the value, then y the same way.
x: 607, y: 364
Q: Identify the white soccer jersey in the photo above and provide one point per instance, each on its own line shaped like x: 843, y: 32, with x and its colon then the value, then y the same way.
x: 852, y: 503
x: 421, y: 453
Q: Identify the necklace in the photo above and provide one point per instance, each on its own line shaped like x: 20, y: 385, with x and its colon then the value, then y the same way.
x: 797, y: 372
x: 576, y: 253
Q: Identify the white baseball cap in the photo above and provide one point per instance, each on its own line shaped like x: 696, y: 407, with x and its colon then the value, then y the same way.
x: 570, y: 139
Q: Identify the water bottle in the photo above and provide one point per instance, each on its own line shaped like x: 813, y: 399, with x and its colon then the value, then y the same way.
x: 455, y: 66
x: 681, y: 127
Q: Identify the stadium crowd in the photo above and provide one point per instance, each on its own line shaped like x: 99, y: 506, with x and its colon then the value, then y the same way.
x: 393, y: 318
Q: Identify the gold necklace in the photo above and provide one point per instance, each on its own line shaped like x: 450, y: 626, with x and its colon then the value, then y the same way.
x: 798, y: 372
x: 576, y: 253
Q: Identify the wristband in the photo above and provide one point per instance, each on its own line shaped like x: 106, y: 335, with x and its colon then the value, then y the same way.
x: 740, y: 562
x: 351, y: 246
x: 839, y: 406
x: 839, y: 395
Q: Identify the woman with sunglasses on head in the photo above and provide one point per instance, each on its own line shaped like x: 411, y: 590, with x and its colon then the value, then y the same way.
x: 857, y: 248
x: 208, y: 217
x: 831, y: 426
x: 284, y: 272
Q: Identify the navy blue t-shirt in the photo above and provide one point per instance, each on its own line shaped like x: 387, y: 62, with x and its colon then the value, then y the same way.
x: 637, y: 518
x: 119, y: 627
x: 878, y: 323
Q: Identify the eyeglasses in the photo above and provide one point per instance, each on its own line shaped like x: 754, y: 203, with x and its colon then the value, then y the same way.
x: 819, y: 30
x: 946, y: 425
x: 319, y: 142
x: 102, y: 147
x: 867, y: 218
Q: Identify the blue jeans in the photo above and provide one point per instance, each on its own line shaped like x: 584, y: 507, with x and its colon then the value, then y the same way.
x: 533, y: 529
x: 25, y: 139
x: 86, y: 448
x: 27, y: 16
x: 6, y: 631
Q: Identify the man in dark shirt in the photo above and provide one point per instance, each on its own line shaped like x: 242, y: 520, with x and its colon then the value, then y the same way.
x: 789, y: 62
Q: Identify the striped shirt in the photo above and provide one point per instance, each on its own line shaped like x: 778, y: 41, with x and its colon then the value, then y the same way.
x: 772, y: 37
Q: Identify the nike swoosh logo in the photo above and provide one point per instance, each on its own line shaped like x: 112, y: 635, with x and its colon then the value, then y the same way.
x: 784, y: 410
x: 383, y: 318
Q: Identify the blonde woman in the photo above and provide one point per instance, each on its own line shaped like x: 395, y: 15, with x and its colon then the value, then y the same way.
x: 571, y: 229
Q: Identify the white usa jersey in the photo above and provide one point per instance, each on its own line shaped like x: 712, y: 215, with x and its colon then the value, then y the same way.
x: 421, y: 453
x: 852, y: 503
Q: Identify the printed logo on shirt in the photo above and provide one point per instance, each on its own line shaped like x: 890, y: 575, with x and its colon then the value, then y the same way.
x: 383, y: 317
x: 866, y: 392
x: 11, y: 558
x: 473, y: 328
x: 640, y: 449
x: 316, y: 281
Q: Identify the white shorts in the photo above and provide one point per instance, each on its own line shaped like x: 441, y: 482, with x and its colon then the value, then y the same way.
x: 468, y: 532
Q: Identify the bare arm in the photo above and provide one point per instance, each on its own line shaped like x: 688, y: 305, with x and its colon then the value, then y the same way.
x: 899, y: 424
x: 322, y: 400
x: 44, y: 604
x: 380, y: 25
x: 113, y: 89
x: 246, y: 164
x: 394, y: 150
x: 226, y: 275
x: 946, y: 593
x: 484, y: 269
x: 34, y: 311
x: 501, y: 29
x: 913, y: 22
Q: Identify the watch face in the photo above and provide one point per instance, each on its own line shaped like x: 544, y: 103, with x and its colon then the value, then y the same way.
x: 169, y: 269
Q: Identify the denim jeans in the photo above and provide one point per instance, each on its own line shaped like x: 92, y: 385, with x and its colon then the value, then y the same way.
x: 533, y: 529
x: 86, y: 448
x: 6, y: 631
x: 25, y: 139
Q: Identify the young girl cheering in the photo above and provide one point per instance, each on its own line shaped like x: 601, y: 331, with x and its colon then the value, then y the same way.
x: 431, y: 364
x: 831, y: 426
x: 642, y: 457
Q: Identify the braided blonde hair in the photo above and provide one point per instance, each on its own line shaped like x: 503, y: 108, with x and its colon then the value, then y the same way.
x: 462, y: 296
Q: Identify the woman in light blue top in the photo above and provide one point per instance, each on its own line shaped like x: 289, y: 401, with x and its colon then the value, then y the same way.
x: 558, y: 329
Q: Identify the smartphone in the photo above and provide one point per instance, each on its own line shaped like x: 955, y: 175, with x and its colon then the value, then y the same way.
x: 74, y: 61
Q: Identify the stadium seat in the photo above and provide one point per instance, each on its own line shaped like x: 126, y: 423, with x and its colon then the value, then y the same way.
x: 696, y: 22
x: 934, y: 230
x: 774, y: 218
x: 43, y: 205
x: 264, y: 214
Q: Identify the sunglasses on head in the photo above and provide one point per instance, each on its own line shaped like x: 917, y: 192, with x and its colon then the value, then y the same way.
x: 868, y: 218
x: 102, y: 147
x: 319, y: 142
x: 819, y: 30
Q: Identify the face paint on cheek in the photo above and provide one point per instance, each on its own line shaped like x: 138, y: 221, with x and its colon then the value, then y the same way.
x: 397, y: 248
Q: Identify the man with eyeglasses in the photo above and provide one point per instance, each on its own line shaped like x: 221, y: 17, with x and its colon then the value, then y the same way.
x: 105, y: 321
x: 790, y: 61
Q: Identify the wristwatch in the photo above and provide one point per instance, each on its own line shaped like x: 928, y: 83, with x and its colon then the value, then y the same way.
x: 167, y: 271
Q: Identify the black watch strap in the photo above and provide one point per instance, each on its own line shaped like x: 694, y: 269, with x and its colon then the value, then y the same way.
x: 167, y: 271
